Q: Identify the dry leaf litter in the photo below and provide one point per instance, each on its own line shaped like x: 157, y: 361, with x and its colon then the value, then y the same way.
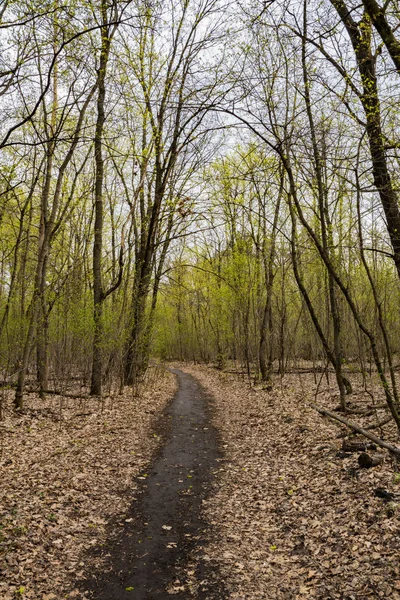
x: 291, y: 518
x: 66, y: 471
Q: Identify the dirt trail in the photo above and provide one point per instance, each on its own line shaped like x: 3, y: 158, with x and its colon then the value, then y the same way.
x: 164, y: 525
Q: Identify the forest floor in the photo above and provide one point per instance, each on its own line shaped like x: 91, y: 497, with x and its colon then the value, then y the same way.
x: 68, y: 468
x: 294, y: 517
x: 265, y: 505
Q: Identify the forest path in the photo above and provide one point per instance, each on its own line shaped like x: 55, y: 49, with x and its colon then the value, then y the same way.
x: 165, y: 525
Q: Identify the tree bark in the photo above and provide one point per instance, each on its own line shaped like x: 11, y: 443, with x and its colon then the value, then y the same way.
x: 98, y: 292
x: 381, y: 24
x: 360, y: 36
x: 324, y: 220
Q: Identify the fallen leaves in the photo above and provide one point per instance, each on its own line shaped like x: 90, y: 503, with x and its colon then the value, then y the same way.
x: 64, y: 476
x: 289, y: 519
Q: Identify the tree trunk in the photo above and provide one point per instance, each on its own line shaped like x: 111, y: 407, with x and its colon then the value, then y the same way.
x: 38, y: 284
x: 360, y: 36
x: 265, y: 349
x: 324, y: 220
x: 346, y: 294
x: 98, y: 293
x: 381, y: 24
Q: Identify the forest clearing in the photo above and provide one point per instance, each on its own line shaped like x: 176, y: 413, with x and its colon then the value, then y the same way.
x: 199, y: 299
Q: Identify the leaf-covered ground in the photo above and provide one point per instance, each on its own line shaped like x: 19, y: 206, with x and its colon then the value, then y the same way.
x: 66, y: 471
x: 290, y: 518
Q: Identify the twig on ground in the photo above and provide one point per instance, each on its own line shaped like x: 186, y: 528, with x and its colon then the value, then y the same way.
x: 327, y: 413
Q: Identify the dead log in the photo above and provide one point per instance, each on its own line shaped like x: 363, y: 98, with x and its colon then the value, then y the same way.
x: 327, y: 413
x: 8, y: 384
x: 366, y: 461
x: 357, y: 446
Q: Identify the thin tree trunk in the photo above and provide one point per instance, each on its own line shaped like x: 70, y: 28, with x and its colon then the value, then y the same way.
x: 98, y: 292
x: 35, y: 303
x: 371, y: 338
x: 266, y: 346
x: 323, y: 213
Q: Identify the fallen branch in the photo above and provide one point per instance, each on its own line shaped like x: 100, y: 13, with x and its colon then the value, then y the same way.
x: 368, y: 427
x: 364, y: 432
x: 360, y: 412
x: 380, y: 424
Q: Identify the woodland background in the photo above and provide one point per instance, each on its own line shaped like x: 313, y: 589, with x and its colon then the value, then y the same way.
x: 202, y: 180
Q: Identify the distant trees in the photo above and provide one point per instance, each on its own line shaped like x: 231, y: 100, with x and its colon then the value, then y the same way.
x: 199, y: 181
x: 174, y: 85
x: 84, y: 194
x: 320, y: 123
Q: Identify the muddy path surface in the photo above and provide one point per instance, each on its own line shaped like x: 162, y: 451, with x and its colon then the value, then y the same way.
x: 147, y: 559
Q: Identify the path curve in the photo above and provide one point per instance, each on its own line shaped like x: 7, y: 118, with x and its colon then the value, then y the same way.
x: 165, y: 525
